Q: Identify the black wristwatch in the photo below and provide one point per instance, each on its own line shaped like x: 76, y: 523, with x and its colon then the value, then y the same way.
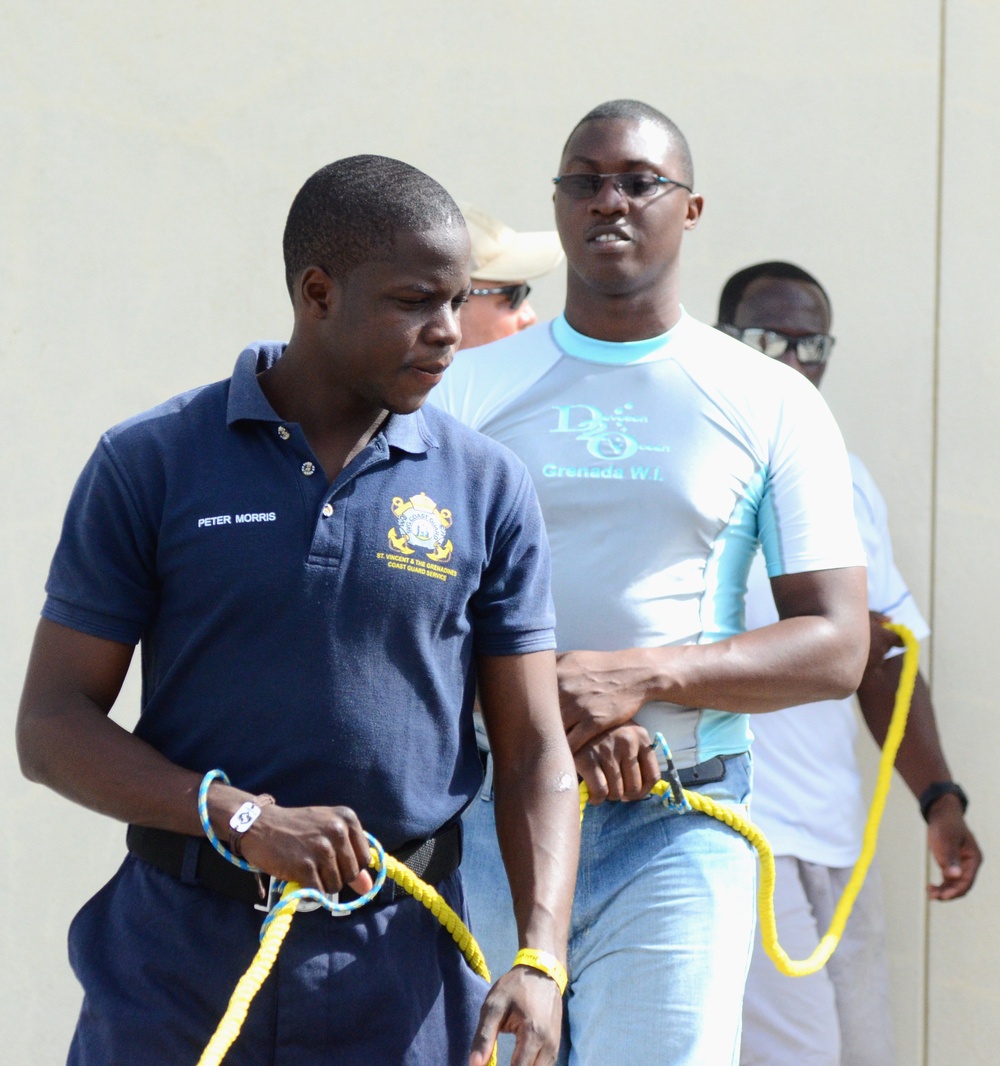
x: 934, y: 791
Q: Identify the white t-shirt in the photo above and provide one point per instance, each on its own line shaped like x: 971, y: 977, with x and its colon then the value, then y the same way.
x: 659, y: 466
x: 806, y: 786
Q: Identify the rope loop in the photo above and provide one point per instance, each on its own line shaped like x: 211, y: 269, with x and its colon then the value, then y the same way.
x: 376, y: 861
x: 742, y: 825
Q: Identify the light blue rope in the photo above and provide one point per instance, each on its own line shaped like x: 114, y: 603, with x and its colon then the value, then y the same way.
x: 333, y: 906
x: 674, y: 799
x: 218, y: 775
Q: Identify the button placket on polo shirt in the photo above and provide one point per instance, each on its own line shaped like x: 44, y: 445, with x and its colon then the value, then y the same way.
x: 307, y: 471
x: 331, y: 522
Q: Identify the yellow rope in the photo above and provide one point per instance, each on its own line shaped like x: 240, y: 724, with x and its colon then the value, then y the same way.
x: 894, y: 737
x: 250, y: 983
x: 765, y: 890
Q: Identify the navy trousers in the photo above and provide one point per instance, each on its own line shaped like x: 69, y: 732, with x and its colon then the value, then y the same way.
x: 159, y: 959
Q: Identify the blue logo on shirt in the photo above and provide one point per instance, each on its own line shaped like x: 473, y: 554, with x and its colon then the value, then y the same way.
x: 605, y: 436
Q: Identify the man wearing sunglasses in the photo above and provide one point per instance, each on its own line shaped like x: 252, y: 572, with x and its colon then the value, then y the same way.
x: 503, y: 262
x: 807, y: 786
x: 661, y: 456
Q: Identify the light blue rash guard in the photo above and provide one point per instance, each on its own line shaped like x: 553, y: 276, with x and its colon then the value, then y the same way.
x: 660, y: 466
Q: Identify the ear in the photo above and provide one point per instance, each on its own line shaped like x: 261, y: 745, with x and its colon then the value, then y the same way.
x: 695, y: 205
x: 317, y: 295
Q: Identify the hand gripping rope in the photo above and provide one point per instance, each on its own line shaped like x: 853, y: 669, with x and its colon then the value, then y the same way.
x: 279, y: 920
x: 679, y: 799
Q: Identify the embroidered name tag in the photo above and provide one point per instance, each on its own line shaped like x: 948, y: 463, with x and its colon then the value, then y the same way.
x: 238, y: 519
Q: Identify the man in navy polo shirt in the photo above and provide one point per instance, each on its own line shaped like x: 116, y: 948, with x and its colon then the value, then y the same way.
x: 319, y: 573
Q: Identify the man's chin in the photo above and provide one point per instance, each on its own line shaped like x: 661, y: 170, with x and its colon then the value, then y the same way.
x: 406, y: 405
x: 614, y: 279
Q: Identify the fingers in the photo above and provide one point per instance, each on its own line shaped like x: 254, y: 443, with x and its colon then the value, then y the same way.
x: 363, y: 883
x: 589, y: 768
x: 345, y: 857
x: 319, y: 847
x: 954, y: 884
x: 490, y: 1018
x: 958, y: 876
x: 618, y: 765
x: 650, y: 769
x: 957, y: 854
x: 527, y: 1004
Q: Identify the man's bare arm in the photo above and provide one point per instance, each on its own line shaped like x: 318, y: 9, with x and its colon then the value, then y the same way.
x: 816, y: 651
x: 538, y: 827
x: 920, y: 762
x: 66, y: 740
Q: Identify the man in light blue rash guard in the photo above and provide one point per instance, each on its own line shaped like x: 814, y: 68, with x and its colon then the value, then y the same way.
x: 662, y: 456
x: 320, y: 574
x: 807, y: 784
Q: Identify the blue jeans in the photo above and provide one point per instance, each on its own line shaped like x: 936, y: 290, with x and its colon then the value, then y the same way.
x: 661, y: 932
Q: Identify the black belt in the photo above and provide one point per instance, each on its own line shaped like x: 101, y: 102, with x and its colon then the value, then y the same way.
x: 194, y: 861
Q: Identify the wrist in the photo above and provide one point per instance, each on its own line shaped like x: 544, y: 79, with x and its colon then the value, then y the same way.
x: 236, y: 810
x: 222, y: 802
x: 936, y: 791
x: 244, y: 819
x: 655, y: 682
x: 545, y: 962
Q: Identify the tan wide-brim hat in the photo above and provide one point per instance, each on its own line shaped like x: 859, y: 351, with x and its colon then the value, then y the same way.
x: 502, y: 254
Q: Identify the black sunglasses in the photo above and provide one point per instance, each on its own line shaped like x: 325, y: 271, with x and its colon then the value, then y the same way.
x: 812, y: 350
x: 634, y: 185
x: 517, y: 294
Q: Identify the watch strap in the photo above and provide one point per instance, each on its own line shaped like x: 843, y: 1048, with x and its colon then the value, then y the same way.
x: 243, y: 819
x: 934, y: 791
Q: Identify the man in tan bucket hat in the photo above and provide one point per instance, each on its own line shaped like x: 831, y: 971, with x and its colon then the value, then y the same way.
x: 503, y: 262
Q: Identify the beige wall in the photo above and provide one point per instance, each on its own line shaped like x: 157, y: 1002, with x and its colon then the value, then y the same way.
x: 151, y: 152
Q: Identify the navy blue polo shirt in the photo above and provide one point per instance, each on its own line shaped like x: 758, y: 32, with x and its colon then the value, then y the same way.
x: 314, y: 641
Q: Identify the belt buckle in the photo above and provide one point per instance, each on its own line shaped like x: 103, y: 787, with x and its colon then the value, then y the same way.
x: 274, y: 889
x: 276, y: 886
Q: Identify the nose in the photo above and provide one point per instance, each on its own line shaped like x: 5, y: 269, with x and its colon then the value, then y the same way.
x: 609, y: 199
x: 444, y: 329
x: 526, y: 316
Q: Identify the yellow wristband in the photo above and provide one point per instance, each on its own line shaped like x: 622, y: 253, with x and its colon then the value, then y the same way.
x: 546, y: 962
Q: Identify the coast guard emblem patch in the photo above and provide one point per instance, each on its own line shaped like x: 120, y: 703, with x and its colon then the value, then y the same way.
x: 421, y: 524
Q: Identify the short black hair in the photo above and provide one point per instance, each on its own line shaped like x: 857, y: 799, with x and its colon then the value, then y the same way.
x: 349, y: 212
x: 735, y: 288
x: 637, y: 111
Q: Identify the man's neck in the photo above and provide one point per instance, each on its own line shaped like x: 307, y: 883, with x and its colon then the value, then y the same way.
x: 619, y: 318
x: 336, y: 424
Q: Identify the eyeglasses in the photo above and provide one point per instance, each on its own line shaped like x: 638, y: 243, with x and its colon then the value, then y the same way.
x: 811, y: 350
x: 517, y: 294
x: 634, y: 185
